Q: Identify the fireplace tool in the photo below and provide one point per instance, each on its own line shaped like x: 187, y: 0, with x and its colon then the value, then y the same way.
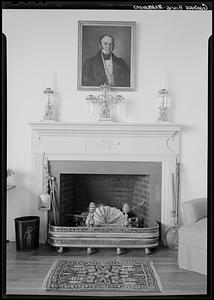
x: 45, y: 198
x: 172, y: 233
x: 52, y: 196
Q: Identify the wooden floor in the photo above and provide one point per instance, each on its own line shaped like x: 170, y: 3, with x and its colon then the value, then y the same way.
x: 25, y: 271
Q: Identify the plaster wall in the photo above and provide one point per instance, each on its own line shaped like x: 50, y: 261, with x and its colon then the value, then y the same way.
x: 41, y: 42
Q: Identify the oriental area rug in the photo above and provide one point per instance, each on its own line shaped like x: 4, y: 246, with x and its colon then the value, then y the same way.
x: 67, y: 274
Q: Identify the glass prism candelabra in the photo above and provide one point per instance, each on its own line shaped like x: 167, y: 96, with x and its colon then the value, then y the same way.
x: 104, y: 104
x: 49, y: 106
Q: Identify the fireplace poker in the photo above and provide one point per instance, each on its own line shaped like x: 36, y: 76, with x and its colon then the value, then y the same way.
x: 177, y: 190
x: 53, y: 199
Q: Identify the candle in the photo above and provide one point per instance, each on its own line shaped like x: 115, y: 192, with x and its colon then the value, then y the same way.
x: 163, y: 80
x: 47, y: 80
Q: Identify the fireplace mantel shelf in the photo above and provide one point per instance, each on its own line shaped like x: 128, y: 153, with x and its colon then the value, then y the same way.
x: 49, y: 128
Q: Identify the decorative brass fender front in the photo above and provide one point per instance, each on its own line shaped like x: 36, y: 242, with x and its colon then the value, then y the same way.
x: 105, y: 227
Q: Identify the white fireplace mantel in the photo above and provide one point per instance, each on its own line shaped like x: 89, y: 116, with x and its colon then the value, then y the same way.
x: 55, y: 128
x: 106, y: 141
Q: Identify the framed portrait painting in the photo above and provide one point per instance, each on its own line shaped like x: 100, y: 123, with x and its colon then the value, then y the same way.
x: 106, y: 52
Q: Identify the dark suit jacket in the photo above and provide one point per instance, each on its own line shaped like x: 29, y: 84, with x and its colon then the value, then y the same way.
x: 93, y: 73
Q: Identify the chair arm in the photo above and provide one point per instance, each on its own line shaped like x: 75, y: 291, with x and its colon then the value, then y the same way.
x: 194, y: 210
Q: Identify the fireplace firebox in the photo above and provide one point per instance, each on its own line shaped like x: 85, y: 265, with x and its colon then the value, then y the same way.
x: 78, y: 190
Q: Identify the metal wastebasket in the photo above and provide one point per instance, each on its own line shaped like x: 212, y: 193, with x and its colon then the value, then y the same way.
x: 27, y: 233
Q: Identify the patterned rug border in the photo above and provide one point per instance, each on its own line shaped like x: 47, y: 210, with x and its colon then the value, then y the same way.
x: 98, y: 260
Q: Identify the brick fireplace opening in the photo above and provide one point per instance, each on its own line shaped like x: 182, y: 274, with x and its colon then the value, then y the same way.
x: 109, y: 183
x: 77, y: 191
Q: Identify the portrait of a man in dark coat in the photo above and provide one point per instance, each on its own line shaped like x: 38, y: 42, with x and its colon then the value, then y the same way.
x: 105, y: 54
x: 105, y: 67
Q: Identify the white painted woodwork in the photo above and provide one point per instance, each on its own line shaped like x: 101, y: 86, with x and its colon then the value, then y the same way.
x: 103, y: 141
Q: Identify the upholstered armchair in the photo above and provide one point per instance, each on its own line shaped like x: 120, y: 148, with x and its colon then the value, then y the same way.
x: 192, y: 236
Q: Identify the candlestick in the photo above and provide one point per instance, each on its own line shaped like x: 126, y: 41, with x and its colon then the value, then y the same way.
x: 163, y: 105
x: 49, y: 107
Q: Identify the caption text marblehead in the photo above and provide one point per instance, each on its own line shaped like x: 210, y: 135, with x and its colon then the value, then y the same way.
x: 202, y: 6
